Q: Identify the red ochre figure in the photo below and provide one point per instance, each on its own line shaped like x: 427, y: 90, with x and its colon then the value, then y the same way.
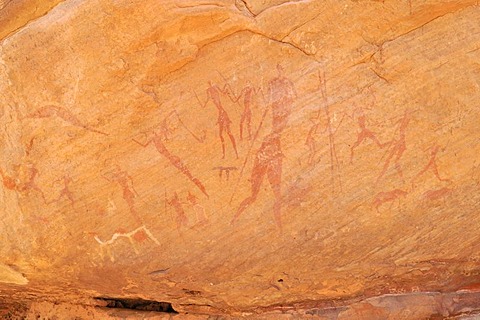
x: 125, y: 182
x: 268, y: 159
x: 65, y: 192
x: 246, y: 118
x: 389, y: 196
x: 364, y: 133
x: 157, y: 138
x: 432, y: 195
x: 431, y: 165
x: 199, y: 210
x: 51, y: 111
x: 8, y: 182
x: 225, y: 170
x: 181, y: 219
x: 224, y: 122
x: 31, y: 184
x: 398, y: 147
x: 311, y: 142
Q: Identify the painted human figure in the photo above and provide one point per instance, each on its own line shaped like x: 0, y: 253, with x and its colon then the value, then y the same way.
x: 223, y: 121
x: 65, y: 192
x: 269, y: 157
x: 398, y: 146
x: 248, y: 93
x: 311, y: 141
x: 64, y: 114
x: 157, y: 137
x: 199, y: 210
x: 165, y: 129
x: 431, y: 165
x: 364, y: 133
x: 125, y: 181
x: 181, y: 219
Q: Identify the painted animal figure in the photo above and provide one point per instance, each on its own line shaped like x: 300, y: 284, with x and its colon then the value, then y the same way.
x: 432, y: 195
x: 389, y: 196
x: 140, y: 234
x: 28, y: 184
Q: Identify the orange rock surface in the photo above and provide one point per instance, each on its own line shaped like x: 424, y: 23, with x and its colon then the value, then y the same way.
x: 267, y: 159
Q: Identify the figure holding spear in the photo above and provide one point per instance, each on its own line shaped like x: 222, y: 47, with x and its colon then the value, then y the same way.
x: 268, y: 159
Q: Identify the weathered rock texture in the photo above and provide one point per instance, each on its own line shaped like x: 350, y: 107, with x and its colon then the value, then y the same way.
x: 278, y: 158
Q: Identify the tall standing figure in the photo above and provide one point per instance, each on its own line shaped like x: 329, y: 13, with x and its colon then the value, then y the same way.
x: 269, y: 157
x: 125, y: 181
x: 397, y: 146
x: 182, y: 219
x: 246, y: 118
x: 224, y: 122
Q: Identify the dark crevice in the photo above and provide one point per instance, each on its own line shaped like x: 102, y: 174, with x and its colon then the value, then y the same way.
x: 137, y: 304
x: 192, y: 292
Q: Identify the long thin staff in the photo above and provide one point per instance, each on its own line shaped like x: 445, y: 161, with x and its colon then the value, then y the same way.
x: 190, y: 131
x: 199, y: 101
x: 333, y: 152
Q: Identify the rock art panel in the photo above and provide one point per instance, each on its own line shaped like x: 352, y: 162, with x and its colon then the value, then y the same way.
x: 240, y: 157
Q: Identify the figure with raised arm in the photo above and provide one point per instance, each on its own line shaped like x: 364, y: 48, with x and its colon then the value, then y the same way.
x: 223, y: 121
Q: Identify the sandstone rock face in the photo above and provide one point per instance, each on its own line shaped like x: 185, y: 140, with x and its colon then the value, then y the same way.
x: 277, y: 158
